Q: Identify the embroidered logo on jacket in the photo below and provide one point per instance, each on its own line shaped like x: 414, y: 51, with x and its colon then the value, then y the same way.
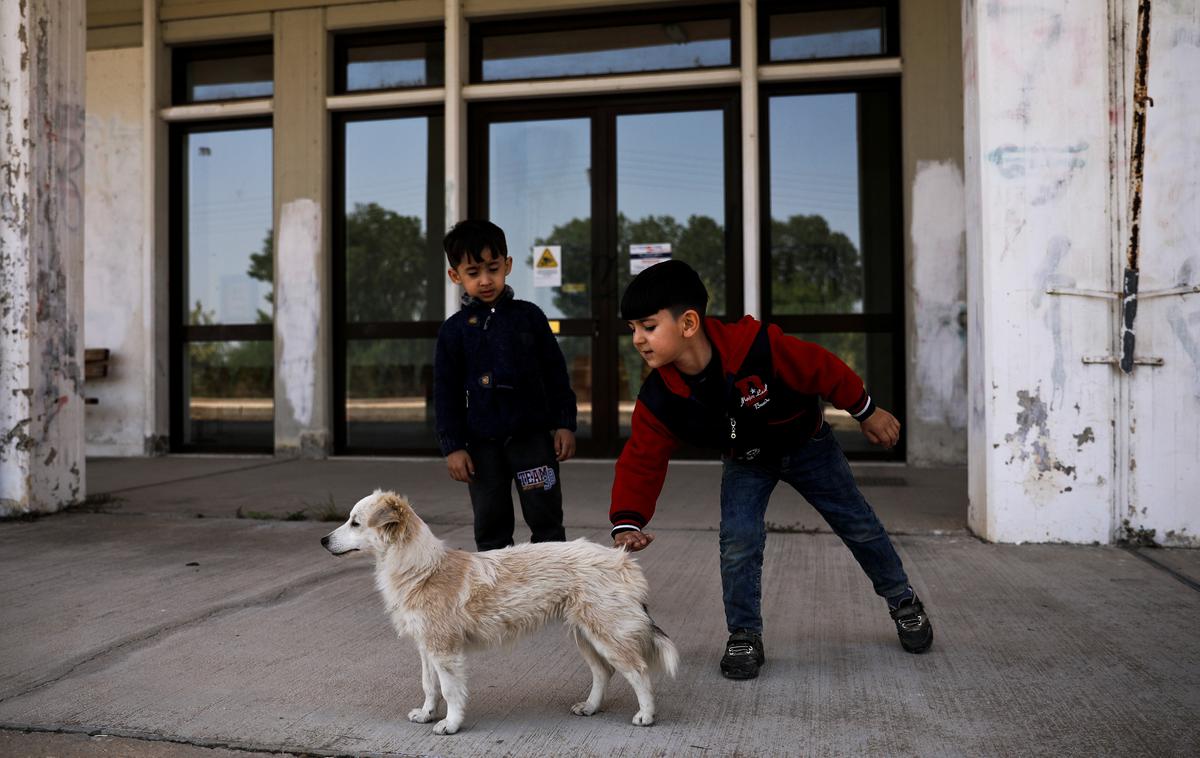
x: 754, y: 392
x: 542, y: 476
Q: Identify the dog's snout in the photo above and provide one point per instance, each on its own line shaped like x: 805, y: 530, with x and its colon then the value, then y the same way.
x: 325, y: 541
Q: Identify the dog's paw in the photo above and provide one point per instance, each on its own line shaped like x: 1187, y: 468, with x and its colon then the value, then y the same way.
x: 420, y: 716
x: 584, y: 708
x: 445, y: 727
x: 643, y: 718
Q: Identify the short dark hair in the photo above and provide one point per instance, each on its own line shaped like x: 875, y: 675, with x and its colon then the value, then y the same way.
x: 672, y: 285
x: 469, y: 238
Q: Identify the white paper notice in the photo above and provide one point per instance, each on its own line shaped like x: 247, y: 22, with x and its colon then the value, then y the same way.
x: 547, y: 266
x: 642, y: 257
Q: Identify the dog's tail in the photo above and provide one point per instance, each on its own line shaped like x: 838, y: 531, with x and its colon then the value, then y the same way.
x: 662, y: 655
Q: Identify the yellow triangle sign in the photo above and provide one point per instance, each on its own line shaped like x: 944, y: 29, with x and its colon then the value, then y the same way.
x: 547, y: 259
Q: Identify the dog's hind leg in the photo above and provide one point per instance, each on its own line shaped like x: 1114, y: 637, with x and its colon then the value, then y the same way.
x: 452, y: 673
x: 429, y: 684
x: 602, y: 671
x: 627, y: 659
x: 640, y: 681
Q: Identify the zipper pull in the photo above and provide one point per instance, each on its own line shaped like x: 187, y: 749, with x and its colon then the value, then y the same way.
x: 732, y: 428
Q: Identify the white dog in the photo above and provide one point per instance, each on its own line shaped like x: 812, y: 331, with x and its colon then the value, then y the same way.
x: 451, y: 601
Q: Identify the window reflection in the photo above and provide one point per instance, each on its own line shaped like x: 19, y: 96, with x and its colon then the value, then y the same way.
x: 394, y: 267
x: 539, y: 192
x: 816, y: 263
x: 209, y: 75
x: 613, y: 50
x: 393, y: 65
x: 228, y: 394
x: 389, y: 393
x: 827, y: 34
x: 228, y: 241
x: 578, y: 354
x: 671, y: 188
x: 871, y: 356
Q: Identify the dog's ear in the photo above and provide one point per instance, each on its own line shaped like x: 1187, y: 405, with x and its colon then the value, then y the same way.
x: 391, y: 513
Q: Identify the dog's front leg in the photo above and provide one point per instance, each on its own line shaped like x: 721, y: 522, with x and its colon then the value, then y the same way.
x: 452, y: 673
x: 429, y: 684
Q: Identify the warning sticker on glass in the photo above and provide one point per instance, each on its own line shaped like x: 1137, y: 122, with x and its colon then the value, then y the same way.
x: 547, y: 266
x: 642, y: 257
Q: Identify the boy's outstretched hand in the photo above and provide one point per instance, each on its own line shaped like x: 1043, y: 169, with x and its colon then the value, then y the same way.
x: 460, y: 465
x: 633, y: 540
x: 564, y: 444
x: 882, y: 428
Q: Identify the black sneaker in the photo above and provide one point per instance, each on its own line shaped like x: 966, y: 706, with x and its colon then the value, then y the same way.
x: 743, y: 655
x: 913, y: 625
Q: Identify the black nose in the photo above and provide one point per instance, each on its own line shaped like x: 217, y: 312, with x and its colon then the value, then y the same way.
x: 325, y: 541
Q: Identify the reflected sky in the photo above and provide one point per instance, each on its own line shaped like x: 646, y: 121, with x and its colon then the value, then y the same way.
x: 228, y: 216
x: 814, y: 159
x: 614, y: 50
x: 827, y: 34
x: 671, y: 164
x: 539, y: 178
x: 387, y: 163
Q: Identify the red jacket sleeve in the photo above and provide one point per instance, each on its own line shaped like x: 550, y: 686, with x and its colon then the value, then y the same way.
x: 641, y: 470
x: 813, y: 370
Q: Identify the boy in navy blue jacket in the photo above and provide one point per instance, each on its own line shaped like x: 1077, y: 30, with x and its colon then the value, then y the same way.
x: 504, y: 404
x: 755, y: 394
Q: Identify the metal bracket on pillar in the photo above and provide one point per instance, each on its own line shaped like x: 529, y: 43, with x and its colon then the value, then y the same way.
x: 1106, y: 295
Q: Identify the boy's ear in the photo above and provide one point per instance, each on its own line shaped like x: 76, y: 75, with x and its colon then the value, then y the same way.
x: 690, y: 321
x: 454, y: 277
x: 508, y: 265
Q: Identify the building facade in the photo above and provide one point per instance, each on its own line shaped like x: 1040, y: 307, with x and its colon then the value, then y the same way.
x: 267, y: 183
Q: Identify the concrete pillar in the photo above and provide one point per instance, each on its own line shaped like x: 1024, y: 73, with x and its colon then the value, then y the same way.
x: 1039, y: 216
x: 935, y: 245
x: 751, y: 207
x: 42, y: 52
x: 456, y: 132
x: 1161, y: 501
x: 303, y: 355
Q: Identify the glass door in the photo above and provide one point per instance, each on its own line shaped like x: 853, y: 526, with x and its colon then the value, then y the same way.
x: 671, y: 197
x: 583, y: 184
x: 389, y: 274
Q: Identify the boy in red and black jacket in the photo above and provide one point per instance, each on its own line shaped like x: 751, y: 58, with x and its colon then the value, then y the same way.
x: 755, y: 394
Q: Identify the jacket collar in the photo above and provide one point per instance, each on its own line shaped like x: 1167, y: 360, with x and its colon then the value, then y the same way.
x: 467, y: 301
x: 729, y: 341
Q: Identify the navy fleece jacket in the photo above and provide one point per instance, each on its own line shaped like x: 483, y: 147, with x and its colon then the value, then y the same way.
x: 499, y: 372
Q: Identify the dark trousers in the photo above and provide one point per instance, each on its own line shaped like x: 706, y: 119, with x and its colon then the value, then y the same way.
x: 817, y: 470
x: 529, y: 461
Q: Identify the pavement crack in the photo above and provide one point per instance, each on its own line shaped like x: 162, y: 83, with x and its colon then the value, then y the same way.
x: 263, y: 599
x: 1165, y: 568
x: 206, y: 475
x: 240, y: 747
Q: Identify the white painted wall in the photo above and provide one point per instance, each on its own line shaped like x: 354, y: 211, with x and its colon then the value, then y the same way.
x: 1164, y: 458
x: 935, y: 223
x: 1038, y: 215
x: 113, y: 251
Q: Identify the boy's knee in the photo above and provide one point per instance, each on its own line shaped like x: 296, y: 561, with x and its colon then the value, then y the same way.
x: 861, y: 533
x: 740, y: 547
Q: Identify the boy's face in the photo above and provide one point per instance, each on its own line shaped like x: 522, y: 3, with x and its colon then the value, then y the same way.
x: 660, y: 337
x: 483, y: 281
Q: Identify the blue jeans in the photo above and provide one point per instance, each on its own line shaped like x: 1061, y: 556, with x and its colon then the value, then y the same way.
x: 817, y: 470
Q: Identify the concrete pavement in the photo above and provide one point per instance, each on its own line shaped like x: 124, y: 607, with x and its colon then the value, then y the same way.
x: 172, y: 634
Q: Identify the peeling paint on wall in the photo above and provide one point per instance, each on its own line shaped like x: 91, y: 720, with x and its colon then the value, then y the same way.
x: 1031, y: 443
x: 298, y: 312
x: 41, y: 261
